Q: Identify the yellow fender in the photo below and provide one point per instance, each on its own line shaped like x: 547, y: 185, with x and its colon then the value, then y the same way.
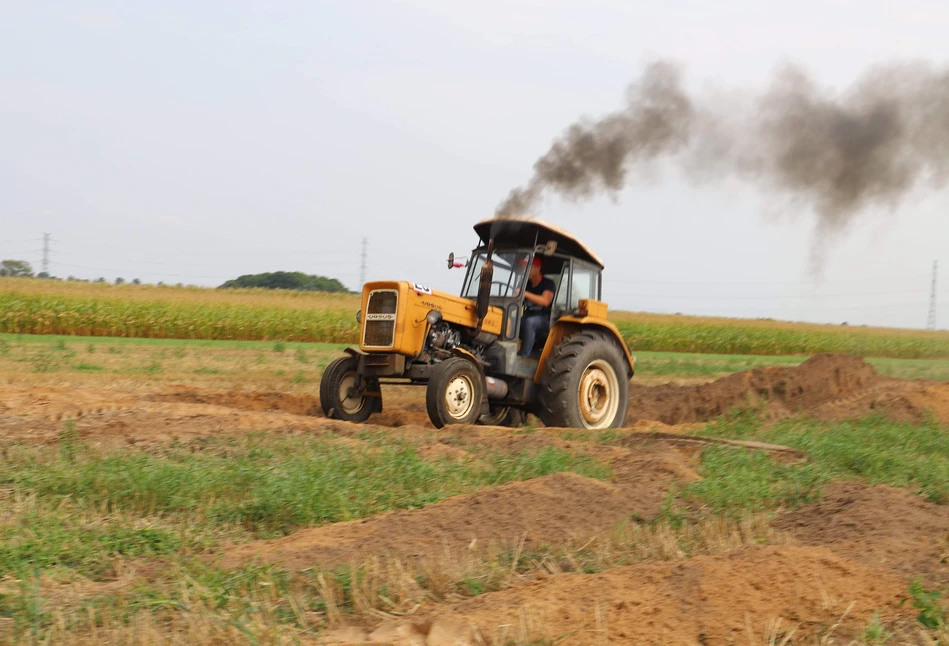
x: 568, y: 325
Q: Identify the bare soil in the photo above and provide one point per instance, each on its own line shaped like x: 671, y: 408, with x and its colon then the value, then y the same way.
x: 825, y: 386
x: 859, y: 544
x: 550, y: 509
x: 728, y: 599
x: 880, y: 526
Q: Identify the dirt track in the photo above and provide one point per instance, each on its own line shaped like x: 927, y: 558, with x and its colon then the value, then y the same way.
x: 857, y: 545
x: 824, y: 387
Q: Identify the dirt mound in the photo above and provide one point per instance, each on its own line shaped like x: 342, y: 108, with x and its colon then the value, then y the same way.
x: 781, y: 391
x: 549, y: 509
x: 544, y: 509
x: 249, y: 401
x: 879, y: 526
x: 705, y: 600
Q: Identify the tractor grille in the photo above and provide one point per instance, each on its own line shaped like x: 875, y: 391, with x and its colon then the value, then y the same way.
x: 383, y: 302
x: 381, y: 312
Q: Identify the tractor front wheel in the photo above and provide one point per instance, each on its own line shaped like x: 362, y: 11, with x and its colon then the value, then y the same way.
x: 338, y: 396
x: 454, y: 393
x: 585, y: 384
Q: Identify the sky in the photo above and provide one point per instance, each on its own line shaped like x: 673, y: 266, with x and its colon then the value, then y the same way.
x: 194, y: 142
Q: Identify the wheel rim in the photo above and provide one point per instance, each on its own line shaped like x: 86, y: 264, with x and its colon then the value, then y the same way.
x: 598, y: 395
x: 349, y: 404
x: 458, y: 397
x: 496, y: 416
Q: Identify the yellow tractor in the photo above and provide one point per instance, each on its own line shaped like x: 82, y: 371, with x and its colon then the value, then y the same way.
x: 468, y: 350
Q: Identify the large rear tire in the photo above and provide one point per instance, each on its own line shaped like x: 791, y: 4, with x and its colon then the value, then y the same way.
x: 335, y: 397
x: 585, y: 384
x: 454, y: 393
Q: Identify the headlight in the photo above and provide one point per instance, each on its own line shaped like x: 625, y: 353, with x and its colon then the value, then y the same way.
x: 433, y: 317
x: 359, y: 316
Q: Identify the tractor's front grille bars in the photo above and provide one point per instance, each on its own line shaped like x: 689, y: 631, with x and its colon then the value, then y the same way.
x: 381, y: 312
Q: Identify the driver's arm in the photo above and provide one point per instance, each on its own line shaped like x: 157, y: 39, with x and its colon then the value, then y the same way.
x: 544, y: 299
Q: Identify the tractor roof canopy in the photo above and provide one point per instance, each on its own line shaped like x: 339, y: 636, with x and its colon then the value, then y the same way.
x: 523, y: 231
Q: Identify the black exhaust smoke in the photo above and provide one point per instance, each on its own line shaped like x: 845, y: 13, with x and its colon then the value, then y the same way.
x: 835, y: 154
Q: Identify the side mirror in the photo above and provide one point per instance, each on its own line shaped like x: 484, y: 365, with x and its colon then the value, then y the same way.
x: 550, y: 248
x: 451, y: 260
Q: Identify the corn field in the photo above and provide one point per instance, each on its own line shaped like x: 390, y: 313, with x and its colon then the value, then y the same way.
x: 23, y: 313
x: 47, y: 307
x: 740, y: 338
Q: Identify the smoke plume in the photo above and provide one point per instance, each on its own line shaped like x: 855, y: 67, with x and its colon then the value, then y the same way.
x: 834, y: 154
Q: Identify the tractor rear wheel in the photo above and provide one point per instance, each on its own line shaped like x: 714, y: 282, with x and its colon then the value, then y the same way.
x: 585, y: 384
x: 504, y: 416
x: 336, y: 392
x: 454, y: 393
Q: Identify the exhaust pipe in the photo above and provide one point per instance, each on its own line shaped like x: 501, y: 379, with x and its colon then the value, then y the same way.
x: 484, y: 287
x: 495, y: 388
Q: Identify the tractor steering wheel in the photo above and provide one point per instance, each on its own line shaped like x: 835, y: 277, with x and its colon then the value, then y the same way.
x: 502, y: 284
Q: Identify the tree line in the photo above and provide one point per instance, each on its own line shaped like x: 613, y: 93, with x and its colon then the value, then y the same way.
x: 292, y: 280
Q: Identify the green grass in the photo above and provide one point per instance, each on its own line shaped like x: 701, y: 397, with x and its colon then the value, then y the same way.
x: 691, y: 364
x: 648, y: 364
x: 264, y: 486
x: 873, y: 450
x: 95, y: 342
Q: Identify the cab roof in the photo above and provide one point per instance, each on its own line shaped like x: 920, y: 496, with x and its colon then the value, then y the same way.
x: 521, y: 230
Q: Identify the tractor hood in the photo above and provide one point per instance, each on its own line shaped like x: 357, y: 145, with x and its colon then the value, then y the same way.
x: 393, y: 316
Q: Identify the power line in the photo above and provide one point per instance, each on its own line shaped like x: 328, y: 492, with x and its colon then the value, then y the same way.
x: 46, y: 254
x: 166, y: 252
x: 759, y: 298
x: 762, y: 284
x: 931, y: 323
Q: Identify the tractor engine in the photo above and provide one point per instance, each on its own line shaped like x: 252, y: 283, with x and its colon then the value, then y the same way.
x: 443, y: 338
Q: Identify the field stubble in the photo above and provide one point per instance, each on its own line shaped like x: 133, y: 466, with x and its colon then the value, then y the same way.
x: 205, y: 501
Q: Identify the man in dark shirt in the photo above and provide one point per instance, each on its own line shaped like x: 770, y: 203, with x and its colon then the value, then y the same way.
x: 538, y: 296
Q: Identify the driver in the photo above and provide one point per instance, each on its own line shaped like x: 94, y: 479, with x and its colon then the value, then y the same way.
x: 538, y: 295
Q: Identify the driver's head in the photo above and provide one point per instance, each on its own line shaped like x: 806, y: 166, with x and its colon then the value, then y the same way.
x: 535, y: 273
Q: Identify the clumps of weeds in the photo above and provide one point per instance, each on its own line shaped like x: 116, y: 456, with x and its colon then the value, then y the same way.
x: 90, y: 348
x: 279, y: 346
x: 932, y: 614
x: 876, y: 632
x: 46, y: 361
x: 873, y: 449
x: 301, y: 356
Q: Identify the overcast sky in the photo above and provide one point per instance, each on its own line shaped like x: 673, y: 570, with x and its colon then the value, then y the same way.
x: 196, y: 141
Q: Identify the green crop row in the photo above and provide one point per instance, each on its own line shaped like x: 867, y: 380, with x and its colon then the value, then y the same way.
x: 85, y: 315
x: 666, y: 336
x: 25, y: 313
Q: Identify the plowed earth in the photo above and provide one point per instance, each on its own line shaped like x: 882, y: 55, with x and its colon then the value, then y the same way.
x: 854, y: 549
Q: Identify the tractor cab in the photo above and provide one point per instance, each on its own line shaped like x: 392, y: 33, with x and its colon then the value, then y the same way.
x: 512, y: 244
